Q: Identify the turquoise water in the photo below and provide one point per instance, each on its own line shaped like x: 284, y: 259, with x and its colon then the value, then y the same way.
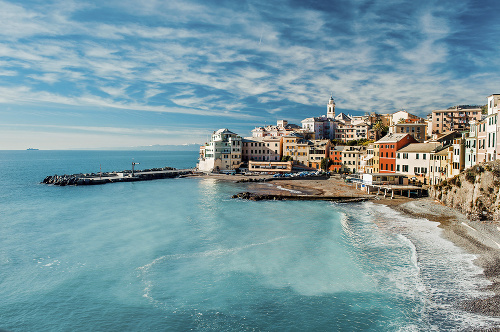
x: 180, y: 254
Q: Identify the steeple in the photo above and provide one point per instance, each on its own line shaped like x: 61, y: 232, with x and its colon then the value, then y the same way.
x: 330, y: 113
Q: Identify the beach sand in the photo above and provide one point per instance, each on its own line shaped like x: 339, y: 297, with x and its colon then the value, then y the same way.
x: 481, y: 238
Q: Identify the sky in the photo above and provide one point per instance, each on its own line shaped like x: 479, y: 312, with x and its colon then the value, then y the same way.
x: 121, y: 73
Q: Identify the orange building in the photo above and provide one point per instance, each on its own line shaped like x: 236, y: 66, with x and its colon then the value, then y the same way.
x: 336, y: 158
x: 387, y: 148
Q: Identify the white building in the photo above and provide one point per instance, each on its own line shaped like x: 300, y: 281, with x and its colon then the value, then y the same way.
x: 414, y: 160
x: 223, y: 152
x: 492, y: 127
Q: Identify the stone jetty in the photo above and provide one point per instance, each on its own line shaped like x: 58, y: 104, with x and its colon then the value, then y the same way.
x: 274, y: 197
x: 84, y: 179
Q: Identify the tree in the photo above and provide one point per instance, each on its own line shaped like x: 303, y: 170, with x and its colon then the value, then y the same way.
x: 325, y: 163
x: 379, y: 126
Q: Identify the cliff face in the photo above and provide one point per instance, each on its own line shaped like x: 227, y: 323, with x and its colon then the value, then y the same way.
x: 475, y: 192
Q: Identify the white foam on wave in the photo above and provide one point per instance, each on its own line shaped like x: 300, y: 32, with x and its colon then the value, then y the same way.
x: 443, y: 275
x: 289, y: 190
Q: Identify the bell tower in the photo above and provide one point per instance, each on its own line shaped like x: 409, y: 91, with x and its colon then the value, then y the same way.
x: 330, y: 113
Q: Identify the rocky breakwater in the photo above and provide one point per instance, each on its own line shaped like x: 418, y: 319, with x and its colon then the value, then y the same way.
x: 83, y: 179
x: 475, y: 192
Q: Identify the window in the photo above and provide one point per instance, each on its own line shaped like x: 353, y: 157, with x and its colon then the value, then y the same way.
x: 424, y: 156
x: 398, y: 155
x: 416, y: 156
x: 405, y: 168
x: 397, y: 168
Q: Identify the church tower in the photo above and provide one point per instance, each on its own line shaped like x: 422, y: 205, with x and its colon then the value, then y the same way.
x: 330, y: 113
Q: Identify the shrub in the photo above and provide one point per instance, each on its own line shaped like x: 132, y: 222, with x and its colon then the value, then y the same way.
x: 470, y: 176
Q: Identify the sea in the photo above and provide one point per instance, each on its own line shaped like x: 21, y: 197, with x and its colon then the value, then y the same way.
x: 182, y: 255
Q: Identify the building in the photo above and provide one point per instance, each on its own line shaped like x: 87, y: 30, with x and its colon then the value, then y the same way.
x: 414, y: 160
x: 318, y: 150
x: 456, y: 118
x: 402, y: 116
x: 273, y: 166
x: 492, y: 125
x: 494, y: 108
x: 336, y: 158
x: 440, y: 168
x: 351, y: 158
x: 323, y: 127
x: 482, y: 134
x: 387, y: 148
x: 415, y: 128
x: 268, y: 148
x: 282, y: 128
x: 366, y: 160
x: 223, y: 152
x: 470, y: 145
x: 458, y: 158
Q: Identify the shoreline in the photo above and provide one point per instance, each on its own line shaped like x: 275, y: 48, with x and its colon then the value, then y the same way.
x: 479, y: 238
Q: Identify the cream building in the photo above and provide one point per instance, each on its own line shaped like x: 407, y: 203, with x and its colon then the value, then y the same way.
x: 414, y: 160
x: 222, y: 153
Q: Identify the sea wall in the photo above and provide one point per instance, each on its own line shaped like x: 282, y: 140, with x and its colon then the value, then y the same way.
x: 475, y: 192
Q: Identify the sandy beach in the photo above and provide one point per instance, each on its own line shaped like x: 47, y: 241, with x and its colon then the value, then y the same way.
x: 481, y: 238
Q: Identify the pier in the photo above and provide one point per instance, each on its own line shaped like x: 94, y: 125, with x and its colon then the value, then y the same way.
x: 83, y: 179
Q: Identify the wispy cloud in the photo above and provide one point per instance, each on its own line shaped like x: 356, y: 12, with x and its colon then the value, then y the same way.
x: 245, y: 61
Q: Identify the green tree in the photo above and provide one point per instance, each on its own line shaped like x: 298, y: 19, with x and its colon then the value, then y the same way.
x: 325, y: 163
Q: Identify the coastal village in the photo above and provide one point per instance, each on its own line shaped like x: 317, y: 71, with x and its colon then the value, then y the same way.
x: 398, y: 148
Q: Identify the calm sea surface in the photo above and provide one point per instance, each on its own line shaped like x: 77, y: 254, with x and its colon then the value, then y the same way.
x: 180, y: 255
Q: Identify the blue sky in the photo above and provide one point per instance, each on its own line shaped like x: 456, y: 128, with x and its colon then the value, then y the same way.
x: 90, y: 74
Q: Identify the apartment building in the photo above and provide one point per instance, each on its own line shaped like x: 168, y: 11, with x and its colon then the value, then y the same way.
x: 223, y: 152
x: 318, y: 150
x: 456, y: 118
x: 415, y: 128
x: 336, y: 158
x: 387, y: 148
x: 351, y: 158
x: 267, y: 148
x: 413, y: 160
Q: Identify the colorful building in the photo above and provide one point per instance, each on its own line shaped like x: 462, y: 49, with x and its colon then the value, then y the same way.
x: 388, y: 147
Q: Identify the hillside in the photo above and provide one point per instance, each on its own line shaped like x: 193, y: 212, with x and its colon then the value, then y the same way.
x: 475, y: 192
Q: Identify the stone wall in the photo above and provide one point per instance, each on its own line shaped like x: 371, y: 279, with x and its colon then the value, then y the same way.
x: 475, y: 192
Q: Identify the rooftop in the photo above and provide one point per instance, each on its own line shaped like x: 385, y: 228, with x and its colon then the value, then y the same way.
x: 419, y: 147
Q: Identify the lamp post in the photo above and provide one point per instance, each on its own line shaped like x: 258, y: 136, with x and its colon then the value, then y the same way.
x: 133, y: 164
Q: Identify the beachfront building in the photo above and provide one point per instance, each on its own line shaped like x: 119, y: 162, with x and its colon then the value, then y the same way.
x: 414, y: 160
x: 351, y: 158
x: 481, y: 141
x: 222, y: 153
x: 270, y: 166
x: 492, y: 124
x: 267, y: 148
x: 387, y: 148
x: 336, y: 158
x: 456, y: 118
x: 494, y: 108
x: 366, y: 159
x: 296, y: 148
x: 458, y: 158
x: 318, y: 150
x: 439, y: 168
x: 470, y: 145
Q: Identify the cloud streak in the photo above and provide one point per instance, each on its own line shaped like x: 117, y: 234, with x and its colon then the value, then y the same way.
x: 220, y: 62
